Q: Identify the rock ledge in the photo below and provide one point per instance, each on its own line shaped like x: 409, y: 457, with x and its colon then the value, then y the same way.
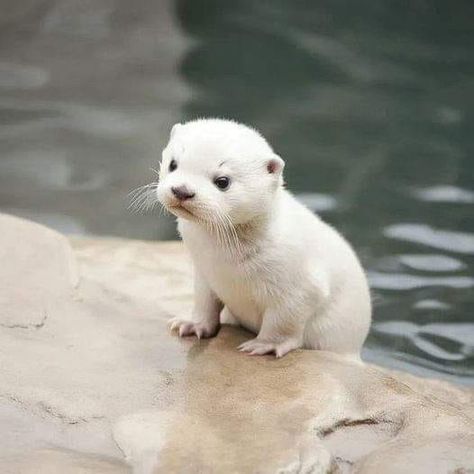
x: 92, y: 382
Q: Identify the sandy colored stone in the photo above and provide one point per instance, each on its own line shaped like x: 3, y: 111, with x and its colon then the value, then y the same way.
x: 55, y: 461
x: 37, y: 267
x: 101, y: 386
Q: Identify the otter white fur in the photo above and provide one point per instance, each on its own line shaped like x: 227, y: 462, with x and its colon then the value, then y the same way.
x: 260, y: 257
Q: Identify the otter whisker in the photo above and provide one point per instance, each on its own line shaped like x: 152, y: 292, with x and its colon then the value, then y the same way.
x: 235, y: 235
x: 222, y: 231
x: 156, y: 172
x: 214, y: 225
x: 138, y: 202
x: 233, y: 243
x: 143, y: 198
x: 141, y: 188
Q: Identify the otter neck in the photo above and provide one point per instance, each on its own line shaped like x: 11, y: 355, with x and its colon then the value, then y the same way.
x: 244, y: 240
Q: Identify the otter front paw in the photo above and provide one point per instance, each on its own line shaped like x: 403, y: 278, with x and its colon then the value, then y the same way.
x: 200, y: 329
x: 264, y: 346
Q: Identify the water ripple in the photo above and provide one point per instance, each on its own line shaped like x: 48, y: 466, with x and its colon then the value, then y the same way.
x: 445, y: 194
x: 459, y: 242
x: 443, y: 341
x: 21, y: 76
x: 318, y: 202
x: 404, y: 281
x: 431, y: 263
x: 431, y: 304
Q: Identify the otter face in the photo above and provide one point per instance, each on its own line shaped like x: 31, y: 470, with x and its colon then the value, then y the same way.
x: 218, y: 171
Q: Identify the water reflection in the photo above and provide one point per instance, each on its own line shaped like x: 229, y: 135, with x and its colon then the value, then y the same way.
x: 442, y: 342
x: 433, y: 263
x: 452, y: 241
x: 404, y: 281
x: 445, y: 194
x: 318, y: 202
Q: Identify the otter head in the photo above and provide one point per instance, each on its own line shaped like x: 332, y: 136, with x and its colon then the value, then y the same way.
x: 218, y: 171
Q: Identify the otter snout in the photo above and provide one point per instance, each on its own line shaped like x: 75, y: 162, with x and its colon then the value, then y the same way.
x: 182, y: 192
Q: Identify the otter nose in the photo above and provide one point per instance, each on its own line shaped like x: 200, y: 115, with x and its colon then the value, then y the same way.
x: 182, y: 192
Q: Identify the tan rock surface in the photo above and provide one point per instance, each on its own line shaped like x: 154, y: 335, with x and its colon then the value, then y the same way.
x: 100, y: 381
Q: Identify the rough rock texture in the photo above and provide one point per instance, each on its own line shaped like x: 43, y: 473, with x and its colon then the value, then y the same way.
x: 92, y: 382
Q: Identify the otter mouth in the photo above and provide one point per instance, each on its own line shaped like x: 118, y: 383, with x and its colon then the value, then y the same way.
x: 180, y: 211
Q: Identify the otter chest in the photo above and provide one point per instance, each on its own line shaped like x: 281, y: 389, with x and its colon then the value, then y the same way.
x: 243, y: 285
x: 241, y: 289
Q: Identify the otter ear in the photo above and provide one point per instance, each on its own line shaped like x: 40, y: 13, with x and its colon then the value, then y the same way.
x: 275, y: 165
x: 175, y: 128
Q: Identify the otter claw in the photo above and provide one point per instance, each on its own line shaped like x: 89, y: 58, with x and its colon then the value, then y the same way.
x: 261, y: 347
x: 183, y: 330
x: 189, y: 328
x: 173, y: 324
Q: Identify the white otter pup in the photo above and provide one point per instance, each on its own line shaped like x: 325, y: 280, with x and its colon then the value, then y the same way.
x: 261, y: 258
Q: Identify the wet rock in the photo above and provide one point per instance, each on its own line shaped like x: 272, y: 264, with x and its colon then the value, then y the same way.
x: 101, y: 386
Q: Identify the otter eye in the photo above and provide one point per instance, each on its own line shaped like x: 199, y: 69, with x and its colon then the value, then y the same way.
x: 173, y: 165
x: 222, y: 182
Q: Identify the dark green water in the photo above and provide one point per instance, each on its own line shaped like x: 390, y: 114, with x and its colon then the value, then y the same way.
x: 370, y: 103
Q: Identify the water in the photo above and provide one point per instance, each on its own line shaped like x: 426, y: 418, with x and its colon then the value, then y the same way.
x: 369, y: 103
